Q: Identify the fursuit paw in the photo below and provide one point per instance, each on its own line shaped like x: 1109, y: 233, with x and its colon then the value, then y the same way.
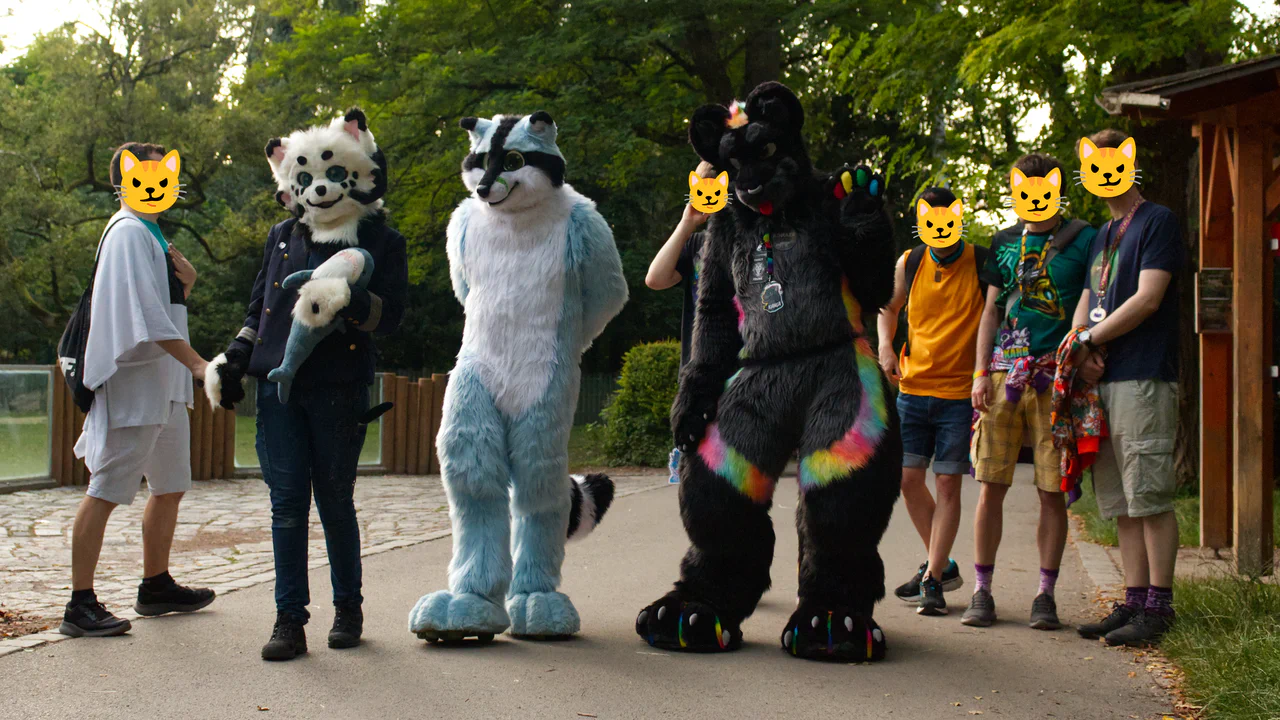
x: 820, y: 632
x: 445, y: 617
x: 320, y: 300
x: 223, y: 382
x: 690, y: 418
x: 542, y: 616
x: 674, y: 623
x: 858, y: 191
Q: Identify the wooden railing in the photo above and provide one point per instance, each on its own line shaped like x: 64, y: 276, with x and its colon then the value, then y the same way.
x: 409, y: 430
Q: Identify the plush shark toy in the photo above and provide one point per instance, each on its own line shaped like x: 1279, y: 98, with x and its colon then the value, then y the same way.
x: 327, y: 290
x: 537, y: 272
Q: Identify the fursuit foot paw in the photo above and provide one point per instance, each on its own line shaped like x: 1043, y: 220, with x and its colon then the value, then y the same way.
x: 676, y: 623
x: 542, y: 616
x: 837, y: 634
x: 445, y: 617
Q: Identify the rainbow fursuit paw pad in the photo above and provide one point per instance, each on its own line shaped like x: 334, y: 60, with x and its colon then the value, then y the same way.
x: 445, y: 617
x: 674, y: 623
x: 834, y: 634
x: 543, y: 616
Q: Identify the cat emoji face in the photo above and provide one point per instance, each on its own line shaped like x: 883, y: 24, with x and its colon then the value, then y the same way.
x: 1036, y: 199
x: 1107, y: 172
x: 939, y: 227
x: 149, y: 186
x: 708, y: 195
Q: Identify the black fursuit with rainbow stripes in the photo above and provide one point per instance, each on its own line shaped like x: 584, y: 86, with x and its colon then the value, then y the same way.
x: 781, y: 368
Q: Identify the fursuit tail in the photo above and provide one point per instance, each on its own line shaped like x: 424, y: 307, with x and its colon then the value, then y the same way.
x: 592, y: 496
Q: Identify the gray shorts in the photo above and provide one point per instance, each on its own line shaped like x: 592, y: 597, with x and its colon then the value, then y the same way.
x: 160, y: 453
x: 1133, y: 475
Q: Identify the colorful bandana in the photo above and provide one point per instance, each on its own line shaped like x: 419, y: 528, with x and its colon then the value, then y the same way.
x: 1078, y: 421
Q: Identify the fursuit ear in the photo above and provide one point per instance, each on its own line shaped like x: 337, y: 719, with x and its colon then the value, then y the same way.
x: 706, y: 127
x: 775, y: 104
x: 477, y: 128
x: 356, y: 125
x: 379, y: 181
x: 284, y: 198
x: 275, y: 153
x: 541, y: 125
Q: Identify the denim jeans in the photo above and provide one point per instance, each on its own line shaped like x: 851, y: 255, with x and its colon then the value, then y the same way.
x: 935, y: 428
x: 312, y: 445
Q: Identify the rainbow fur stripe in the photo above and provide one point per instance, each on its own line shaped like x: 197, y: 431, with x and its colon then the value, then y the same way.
x: 854, y: 450
x: 732, y: 466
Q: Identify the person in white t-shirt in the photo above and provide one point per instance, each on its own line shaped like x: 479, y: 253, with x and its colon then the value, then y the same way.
x: 139, y: 363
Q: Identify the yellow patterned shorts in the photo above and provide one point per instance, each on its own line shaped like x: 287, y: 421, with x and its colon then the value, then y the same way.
x: 999, y: 435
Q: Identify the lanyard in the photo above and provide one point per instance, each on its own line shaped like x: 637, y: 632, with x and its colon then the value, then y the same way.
x: 768, y: 249
x: 1111, y: 249
x: 1022, y: 254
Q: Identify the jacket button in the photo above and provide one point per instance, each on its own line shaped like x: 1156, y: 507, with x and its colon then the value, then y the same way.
x: 268, y: 311
x: 286, y: 256
x: 353, y: 347
x: 259, y: 341
x: 275, y: 284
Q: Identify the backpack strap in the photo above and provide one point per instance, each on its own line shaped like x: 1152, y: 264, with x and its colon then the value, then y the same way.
x: 97, y: 254
x: 912, y: 266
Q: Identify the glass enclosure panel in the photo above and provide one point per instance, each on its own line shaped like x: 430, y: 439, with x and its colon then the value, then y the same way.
x: 246, y: 427
x: 26, y: 420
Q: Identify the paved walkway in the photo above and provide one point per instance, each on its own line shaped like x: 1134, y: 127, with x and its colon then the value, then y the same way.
x: 208, y: 662
x: 223, y: 539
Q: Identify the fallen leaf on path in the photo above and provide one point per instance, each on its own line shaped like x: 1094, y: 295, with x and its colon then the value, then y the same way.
x: 977, y: 697
x: 586, y: 715
x: 262, y: 708
x: 1132, y: 674
x: 975, y: 712
x: 1089, y: 657
x: 955, y: 704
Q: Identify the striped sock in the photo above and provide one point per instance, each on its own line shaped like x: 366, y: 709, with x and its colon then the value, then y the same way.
x: 983, y: 573
x: 1135, y: 597
x: 1160, y: 600
x: 1048, y: 580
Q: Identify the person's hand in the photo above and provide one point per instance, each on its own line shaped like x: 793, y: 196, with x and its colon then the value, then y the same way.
x: 982, y: 393
x: 198, y: 368
x: 183, y: 268
x: 889, y: 363
x: 1092, y: 369
x: 693, y: 217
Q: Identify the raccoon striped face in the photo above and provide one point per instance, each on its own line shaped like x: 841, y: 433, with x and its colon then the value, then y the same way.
x: 514, y: 161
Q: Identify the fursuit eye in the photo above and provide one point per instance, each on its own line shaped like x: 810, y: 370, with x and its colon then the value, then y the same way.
x: 164, y: 182
x: 1024, y: 196
x: 1046, y: 195
x: 737, y: 164
x: 336, y: 173
x: 512, y: 162
x: 304, y: 180
x: 769, y: 150
x: 1119, y: 168
x: 1093, y: 168
x: 136, y: 183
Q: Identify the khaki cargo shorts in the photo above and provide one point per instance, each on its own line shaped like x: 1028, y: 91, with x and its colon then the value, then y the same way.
x: 1133, y: 474
x: 998, y: 437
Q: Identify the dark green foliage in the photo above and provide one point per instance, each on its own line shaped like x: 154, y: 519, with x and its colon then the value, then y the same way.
x: 637, y: 425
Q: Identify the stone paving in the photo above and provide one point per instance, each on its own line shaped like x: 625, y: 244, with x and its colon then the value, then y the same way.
x: 223, y: 538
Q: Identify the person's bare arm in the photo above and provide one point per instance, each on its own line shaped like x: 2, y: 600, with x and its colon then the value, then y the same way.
x: 662, y: 271
x: 1152, y: 285
x: 185, y: 354
x: 887, y: 323
x: 1081, y: 316
x: 981, y: 396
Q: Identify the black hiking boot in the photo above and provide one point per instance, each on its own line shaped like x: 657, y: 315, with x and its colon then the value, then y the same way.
x: 288, y: 639
x: 348, y: 624
x: 91, y: 619
x: 1144, y: 629
x: 1120, y: 616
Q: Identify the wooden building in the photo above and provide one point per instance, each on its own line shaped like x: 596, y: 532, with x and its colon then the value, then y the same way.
x: 1234, y: 111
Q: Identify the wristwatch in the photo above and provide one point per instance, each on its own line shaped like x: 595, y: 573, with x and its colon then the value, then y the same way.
x: 1086, y: 338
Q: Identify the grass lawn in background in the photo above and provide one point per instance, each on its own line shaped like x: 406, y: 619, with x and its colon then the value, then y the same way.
x: 1186, y: 506
x: 24, y: 446
x: 247, y: 450
x: 1227, y: 642
x: 586, y: 447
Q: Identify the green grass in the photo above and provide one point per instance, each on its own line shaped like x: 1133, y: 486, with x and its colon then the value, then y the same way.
x: 247, y: 451
x: 1227, y: 642
x: 1186, y: 506
x: 586, y: 447
x: 24, y: 447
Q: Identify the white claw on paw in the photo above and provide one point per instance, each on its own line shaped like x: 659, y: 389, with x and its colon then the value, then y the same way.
x: 662, y: 612
x: 814, y: 622
x: 644, y: 614
x: 786, y: 638
x: 848, y: 624
x: 879, y: 636
x: 704, y: 416
x: 693, y: 619
x: 724, y: 638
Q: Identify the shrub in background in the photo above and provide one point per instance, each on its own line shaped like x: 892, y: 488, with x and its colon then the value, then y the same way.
x: 637, y: 425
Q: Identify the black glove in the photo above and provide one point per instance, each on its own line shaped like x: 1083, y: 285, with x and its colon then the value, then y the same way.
x: 357, y: 311
x: 224, y: 378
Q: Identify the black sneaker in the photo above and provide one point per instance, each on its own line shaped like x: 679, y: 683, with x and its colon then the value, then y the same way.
x: 909, y: 591
x: 348, y: 624
x: 981, y: 611
x: 931, y: 601
x: 1143, y: 629
x: 154, y: 601
x: 1044, y: 613
x: 1119, y: 617
x: 288, y: 639
x: 91, y: 619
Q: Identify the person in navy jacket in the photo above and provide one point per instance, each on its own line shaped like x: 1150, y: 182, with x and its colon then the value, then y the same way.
x: 333, y: 178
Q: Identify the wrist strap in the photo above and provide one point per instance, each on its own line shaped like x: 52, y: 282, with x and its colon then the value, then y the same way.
x: 981, y: 374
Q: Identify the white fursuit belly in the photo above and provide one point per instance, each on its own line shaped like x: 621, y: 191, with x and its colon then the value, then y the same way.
x: 515, y: 270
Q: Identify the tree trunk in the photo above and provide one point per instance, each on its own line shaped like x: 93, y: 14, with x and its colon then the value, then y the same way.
x: 763, y: 56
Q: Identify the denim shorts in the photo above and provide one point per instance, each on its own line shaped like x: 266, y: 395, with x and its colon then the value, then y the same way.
x: 935, y: 428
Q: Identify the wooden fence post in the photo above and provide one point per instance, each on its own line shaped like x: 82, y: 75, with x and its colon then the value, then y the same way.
x: 402, y: 423
x: 58, y: 418
x: 215, y: 441
x: 426, y: 428
x: 229, y: 445
x: 79, y: 471
x: 411, y: 432
x: 68, y: 438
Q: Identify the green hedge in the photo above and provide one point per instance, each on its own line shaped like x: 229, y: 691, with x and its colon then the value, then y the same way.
x: 637, y: 426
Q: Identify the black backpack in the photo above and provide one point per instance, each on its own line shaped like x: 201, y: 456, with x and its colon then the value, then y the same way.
x: 76, y: 337
x: 916, y: 256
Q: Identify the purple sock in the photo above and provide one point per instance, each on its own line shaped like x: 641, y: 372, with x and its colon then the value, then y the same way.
x: 1160, y: 600
x: 983, y: 573
x: 1135, y: 597
x: 1048, y: 580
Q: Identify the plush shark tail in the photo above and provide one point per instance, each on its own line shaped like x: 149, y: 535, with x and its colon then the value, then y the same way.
x: 592, y: 496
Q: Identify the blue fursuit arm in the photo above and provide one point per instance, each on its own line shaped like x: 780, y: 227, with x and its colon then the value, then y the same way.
x: 604, y: 288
